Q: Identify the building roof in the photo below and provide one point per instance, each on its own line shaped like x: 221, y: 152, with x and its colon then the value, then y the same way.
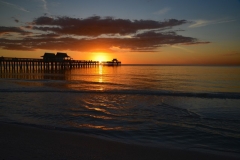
x: 59, y: 54
x: 49, y: 55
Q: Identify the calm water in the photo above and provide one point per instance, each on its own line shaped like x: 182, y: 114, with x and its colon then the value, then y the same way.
x: 190, y: 107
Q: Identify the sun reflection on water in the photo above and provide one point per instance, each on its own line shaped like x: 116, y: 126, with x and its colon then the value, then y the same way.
x: 100, y: 77
x: 102, y: 127
x: 100, y: 72
x: 95, y: 126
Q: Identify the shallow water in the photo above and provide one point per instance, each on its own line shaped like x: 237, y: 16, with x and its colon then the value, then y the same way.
x: 185, y: 106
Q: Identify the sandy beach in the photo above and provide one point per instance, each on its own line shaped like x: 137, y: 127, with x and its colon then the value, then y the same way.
x: 21, y: 142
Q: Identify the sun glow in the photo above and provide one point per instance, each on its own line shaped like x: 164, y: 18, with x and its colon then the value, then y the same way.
x: 101, y: 57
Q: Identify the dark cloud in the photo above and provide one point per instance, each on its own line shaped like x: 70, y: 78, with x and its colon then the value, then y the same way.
x: 95, y: 26
x: 4, y: 30
x: 50, y: 35
x: 142, y: 42
x: 65, y: 33
x: 28, y: 27
x: 15, y: 19
x: 195, y: 43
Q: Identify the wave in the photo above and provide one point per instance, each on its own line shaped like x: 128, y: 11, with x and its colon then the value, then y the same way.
x: 218, y: 95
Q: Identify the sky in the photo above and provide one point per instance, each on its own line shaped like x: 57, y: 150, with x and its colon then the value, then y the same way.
x: 200, y: 32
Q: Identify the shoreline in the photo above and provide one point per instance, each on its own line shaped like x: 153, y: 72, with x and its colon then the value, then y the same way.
x: 26, y: 142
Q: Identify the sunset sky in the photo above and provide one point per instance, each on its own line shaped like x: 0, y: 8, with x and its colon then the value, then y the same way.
x: 133, y: 31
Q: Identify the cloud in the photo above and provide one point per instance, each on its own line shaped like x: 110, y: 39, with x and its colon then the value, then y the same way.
x: 199, y: 23
x: 50, y: 35
x: 15, y: 19
x: 202, y: 23
x: 182, y: 48
x: 95, y: 26
x: 163, y: 11
x: 96, y: 34
x: 15, y: 6
x: 44, y: 5
x: 4, y: 30
x: 141, y: 42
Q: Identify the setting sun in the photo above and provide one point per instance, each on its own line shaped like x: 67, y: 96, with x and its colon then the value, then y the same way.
x: 101, y: 57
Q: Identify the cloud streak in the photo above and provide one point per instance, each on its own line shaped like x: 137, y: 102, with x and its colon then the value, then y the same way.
x: 203, y: 23
x: 44, y: 5
x: 15, y: 6
x: 96, y: 34
x: 184, y: 49
x: 162, y: 11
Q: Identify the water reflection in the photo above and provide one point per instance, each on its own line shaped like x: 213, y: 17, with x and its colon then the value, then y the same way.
x: 36, y: 74
x: 100, y: 79
x: 140, y: 78
x: 94, y: 126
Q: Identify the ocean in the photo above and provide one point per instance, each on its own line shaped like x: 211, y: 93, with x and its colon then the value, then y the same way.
x: 190, y: 107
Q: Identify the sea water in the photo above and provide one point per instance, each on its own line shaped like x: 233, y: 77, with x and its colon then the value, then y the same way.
x: 192, y: 107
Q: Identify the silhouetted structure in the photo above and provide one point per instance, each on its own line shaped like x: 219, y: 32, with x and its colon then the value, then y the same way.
x: 114, y: 62
x: 50, y: 61
x: 49, y: 57
x: 62, y: 56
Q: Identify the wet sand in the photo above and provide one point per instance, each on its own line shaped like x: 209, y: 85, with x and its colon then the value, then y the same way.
x: 21, y: 142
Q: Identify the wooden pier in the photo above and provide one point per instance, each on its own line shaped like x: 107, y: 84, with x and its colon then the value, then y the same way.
x: 8, y: 63
x: 50, y: 61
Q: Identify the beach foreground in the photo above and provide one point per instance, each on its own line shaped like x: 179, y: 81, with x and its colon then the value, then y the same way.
x: 23, y: 142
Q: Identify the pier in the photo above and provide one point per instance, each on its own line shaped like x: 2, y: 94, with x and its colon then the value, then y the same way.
x: 8, y: 63
x: 50, y: 61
